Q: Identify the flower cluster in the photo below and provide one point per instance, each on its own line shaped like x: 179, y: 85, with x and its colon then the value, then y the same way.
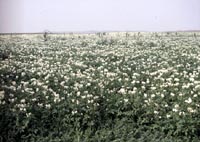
x: 163, y: 71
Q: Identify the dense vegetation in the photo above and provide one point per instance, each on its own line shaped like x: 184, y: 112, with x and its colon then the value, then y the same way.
x: 100, y: 87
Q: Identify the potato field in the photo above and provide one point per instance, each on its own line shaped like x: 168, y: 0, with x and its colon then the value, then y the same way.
x: 101, y: 87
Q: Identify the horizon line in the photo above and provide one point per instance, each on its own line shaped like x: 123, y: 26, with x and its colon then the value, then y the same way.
x: 96, y: 31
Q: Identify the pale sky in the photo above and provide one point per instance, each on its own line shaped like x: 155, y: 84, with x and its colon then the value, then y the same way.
x: 98, y: 15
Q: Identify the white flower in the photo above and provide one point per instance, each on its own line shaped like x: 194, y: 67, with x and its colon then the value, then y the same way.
x: 88, y: 84
x: 125, y: 100
x: 181, y: 113
x: 172, y: 94
x: 197, y: 87
x: 133, y: 82
x: 191, y: 110
x: 143, y: 82
x: 174, y: 109
x: 156, y: 112
x: 83, y: 97
x: 191, y: 79
x: 74, y: 112
x: 96, y: 97
x: 22, y: 101
x: 189, y: 100
x: 62, y: 83
x: 131, y: 92
x: 195, y: 95
x: 143, y: 87
x: 180, y: 94
x: 89, y: 96
x: 176, y: 79
x: 134, y: 88
x: 176, y: 106
x: 28, y: 114
x: 34, y: 99
x: 13, y: 83
x: 23, y: 74
x: 77, y: 102
x: 2, y: 94
x: 78, y: 93
x: 168, y: 115
x: 122, y: 91
x: 47, y: 105
x: 90, y: 101
x: 153, y: 88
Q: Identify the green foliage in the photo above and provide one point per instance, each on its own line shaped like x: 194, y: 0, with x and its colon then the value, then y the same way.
x: 100, y: 89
